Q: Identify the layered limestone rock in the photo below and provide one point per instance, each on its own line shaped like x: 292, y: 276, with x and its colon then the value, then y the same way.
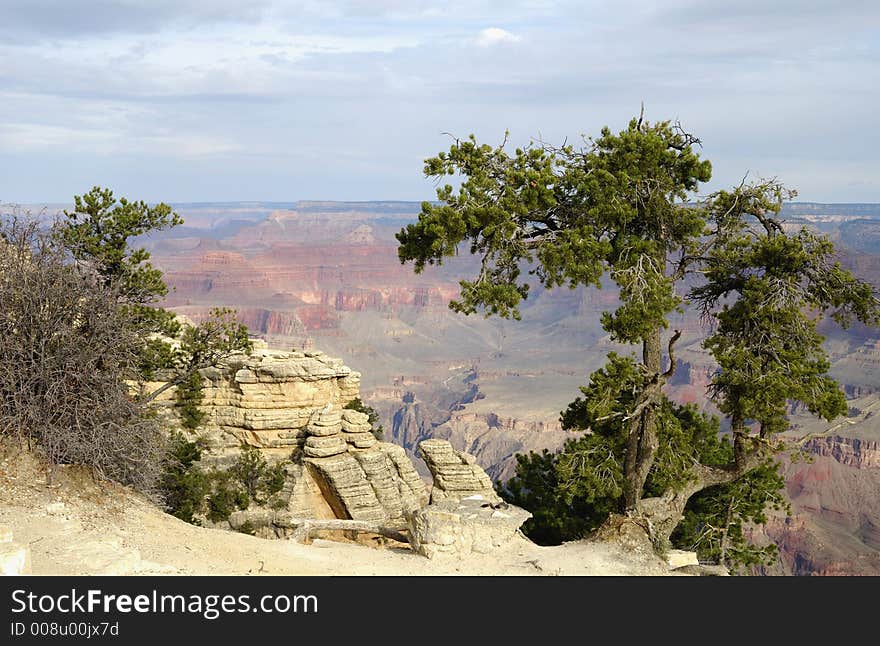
x: 14, y: 558
x: 357, y: 430
x: 460, y: 527
x: 342, y: 472
x: 363, y: 479
x: 290, y: 406
x: 456, y: 474
x: 267, y: 400
x: 324, y: 434
x: 852, y: 452
x: 465, y: 514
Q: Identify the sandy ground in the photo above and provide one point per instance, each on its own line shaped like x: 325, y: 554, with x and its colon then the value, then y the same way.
x: 83, y: 527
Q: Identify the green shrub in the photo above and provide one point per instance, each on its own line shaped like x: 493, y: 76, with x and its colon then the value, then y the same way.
x: 361, y: 407
x: 277, y: 503
x: 253, y: 473
x: 273, y: 479
x: 225, y: 498
x: 188, y: 399
x: 241, y: 500
x: 249, y: 469
x: 190, y: 491
x: 183, y: 484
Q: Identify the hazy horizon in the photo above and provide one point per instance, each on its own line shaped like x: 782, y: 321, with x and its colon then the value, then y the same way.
x: 294, y: 202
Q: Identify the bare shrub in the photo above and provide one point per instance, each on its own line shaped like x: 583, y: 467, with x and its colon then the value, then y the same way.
x: 67, y: 350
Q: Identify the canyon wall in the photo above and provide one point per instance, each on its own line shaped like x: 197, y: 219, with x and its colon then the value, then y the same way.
x: 834, y: 526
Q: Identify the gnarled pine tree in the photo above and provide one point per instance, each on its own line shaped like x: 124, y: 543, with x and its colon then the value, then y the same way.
x: 99, y: 233
x: 626, y: 206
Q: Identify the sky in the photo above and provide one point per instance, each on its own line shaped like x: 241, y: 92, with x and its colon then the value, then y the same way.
x: 265, y: 100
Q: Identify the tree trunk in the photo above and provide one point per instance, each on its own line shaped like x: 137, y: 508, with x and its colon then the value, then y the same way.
x: 642, y: 442
x: 738, y: 428
x: 661, y: 515
x: 725, y: 536
x: 160, y: 390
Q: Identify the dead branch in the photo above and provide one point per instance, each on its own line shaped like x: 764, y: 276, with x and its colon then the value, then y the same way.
x: 671, y: 352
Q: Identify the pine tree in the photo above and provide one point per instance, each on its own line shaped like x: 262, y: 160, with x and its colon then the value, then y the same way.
x: 626, y: 206
x: 99, y: 232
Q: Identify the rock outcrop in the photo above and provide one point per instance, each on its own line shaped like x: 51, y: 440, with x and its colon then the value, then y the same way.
x: 456, y: 474
x: 361, y: 478
x: 290, y: 406
x: 267, y: 400
x: 852, y: 452
x: 460, y: 527
x: 342, y: 472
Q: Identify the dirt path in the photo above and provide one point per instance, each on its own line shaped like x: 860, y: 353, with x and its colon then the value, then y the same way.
x: 82, y: 527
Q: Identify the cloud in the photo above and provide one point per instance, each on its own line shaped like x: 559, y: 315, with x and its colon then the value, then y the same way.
x: 761, y: 15
x: 39, y: 20
x: 495, y: 36
x: 282, y: 99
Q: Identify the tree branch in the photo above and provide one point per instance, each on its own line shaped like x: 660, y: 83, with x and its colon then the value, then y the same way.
x: 671, y: 370
x: 709, y: 476
x: 159, y: 391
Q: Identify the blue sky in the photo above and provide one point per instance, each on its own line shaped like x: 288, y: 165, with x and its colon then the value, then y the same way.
x: 189, y: 100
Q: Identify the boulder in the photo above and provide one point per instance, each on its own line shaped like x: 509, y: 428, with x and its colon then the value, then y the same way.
x: 680, y: 558
x: 412, y: 489
x: 253, y: 518
x: 345, y: 486
x: 398, y: 490
x: 460, y: 527
x: 355, y: 418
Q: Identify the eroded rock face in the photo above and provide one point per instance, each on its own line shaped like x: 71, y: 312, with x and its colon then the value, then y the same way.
x: 361, y: 478
x: 342, y: 472
x: 456, y: 474
x: 290, y: 406
x: 267, y: 399
x: 852, y: 452
x: 460, y: 527
x: 465, y: 514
